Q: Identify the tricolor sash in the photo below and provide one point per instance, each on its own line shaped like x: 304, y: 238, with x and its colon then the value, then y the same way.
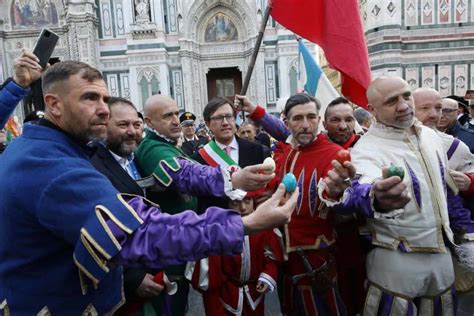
x: 215, y: 156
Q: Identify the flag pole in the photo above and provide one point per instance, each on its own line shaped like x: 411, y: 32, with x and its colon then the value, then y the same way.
x: 248, y: 75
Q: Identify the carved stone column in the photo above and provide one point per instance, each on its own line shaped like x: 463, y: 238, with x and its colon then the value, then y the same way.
x: 82, y: 21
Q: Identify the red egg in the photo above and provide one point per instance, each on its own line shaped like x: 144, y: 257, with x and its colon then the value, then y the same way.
x: 343, y: 155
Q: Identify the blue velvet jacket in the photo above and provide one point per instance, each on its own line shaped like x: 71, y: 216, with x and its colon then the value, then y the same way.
x: 10, y: 95
x: 54, y: 240
x: 64, y: 229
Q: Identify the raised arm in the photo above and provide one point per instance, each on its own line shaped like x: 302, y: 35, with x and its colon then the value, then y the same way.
x: 275, y: 127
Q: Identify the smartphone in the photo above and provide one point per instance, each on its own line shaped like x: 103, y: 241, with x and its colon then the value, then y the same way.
x: 45, y: 46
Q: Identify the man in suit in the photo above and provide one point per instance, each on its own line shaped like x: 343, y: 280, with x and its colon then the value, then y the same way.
x: 116, y: 162
x: 219, y: 116
x: 191, y: 142
x: 226, y: 149
x: 449, y: 124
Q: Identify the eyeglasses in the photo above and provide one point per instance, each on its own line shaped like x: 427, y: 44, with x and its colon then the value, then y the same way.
x: 220, y: 118
x: 447, y: 111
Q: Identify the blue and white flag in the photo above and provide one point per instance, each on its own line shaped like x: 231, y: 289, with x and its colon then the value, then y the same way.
x: 317, y: 84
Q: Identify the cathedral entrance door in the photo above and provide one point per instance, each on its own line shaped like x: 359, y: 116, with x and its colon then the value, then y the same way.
x: 224, y: 82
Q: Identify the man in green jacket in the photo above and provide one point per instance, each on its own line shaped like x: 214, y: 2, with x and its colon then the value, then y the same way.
x: 159, y: 148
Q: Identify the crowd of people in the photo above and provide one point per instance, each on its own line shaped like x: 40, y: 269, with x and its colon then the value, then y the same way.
x: 106, y: 210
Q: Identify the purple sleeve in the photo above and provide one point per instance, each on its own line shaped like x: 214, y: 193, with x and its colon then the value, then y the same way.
x: 275, y: 127
x: 459, y: 216
x: 197, y: 179
x: 358, y: 199
x: 166, y: 239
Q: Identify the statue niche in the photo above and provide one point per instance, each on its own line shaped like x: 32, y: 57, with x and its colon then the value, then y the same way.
x: 142, y: 11
x: 220, y: 28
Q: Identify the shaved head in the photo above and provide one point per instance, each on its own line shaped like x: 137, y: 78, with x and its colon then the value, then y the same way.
x: 421, y: 93
x: 156, y: 101
x: 162, y: 114
x: 380, y: 86
x: 428, y: 105
x: 391, y: 102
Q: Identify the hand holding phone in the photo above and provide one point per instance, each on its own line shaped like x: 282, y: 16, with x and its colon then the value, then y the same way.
x: 45, y: 46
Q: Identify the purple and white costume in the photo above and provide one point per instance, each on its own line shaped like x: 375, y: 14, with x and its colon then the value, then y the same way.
x: 410, y: 271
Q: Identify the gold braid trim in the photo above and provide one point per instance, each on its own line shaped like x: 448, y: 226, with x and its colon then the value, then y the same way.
x: 4, y: 308
x: 44, y: 312
x: 90, y: 311
x: 129, y: 208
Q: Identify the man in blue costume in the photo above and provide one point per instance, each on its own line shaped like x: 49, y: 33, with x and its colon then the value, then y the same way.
x: 65, y: 231
x: 26, y: 70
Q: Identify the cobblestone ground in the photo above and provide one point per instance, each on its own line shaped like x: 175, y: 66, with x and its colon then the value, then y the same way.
x: 272, y: 304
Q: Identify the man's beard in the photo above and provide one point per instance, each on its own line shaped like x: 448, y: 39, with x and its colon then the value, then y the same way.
x: 89, y: 135
x: 406, y: 124
x: 121, y: 148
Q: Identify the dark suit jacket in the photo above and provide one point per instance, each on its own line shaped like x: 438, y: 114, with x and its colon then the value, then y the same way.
x: 464, y: 134
x: 191, y: 147
x: 249, y: 154
x: 106, y: 164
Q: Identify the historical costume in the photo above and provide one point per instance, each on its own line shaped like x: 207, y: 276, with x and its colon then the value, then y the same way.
x: 154, y: 155
x: 309, y: 236
x: 410, y: 271
x: 65, y: 231
x: 228, y: 283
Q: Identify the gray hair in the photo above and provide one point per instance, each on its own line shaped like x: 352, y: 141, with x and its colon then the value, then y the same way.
x: 361, y: 115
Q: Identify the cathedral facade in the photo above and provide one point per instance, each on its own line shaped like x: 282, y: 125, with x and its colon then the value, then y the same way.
x: 190, y: 50
x: 430, y: 43
x: 195, y: 50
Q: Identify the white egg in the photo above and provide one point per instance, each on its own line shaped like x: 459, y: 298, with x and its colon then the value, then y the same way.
x: 270, y: 163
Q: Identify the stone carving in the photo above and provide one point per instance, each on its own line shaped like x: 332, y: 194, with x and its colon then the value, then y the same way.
x: 376, y: 10
x: 461, y: 11
x: 411, y: 12
x: 142, y: 11
x: 444, y: 80
x: 427, y: 12
x: 444, y: 9
x: 391, y: 8
x: 460, y: 84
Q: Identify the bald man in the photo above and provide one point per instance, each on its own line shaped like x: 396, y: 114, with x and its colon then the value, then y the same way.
x: 429, y: 104
x: 410, y: 270
x: 163, y: 131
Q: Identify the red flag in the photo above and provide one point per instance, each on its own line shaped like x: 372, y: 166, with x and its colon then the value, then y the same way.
x: 336, y: 27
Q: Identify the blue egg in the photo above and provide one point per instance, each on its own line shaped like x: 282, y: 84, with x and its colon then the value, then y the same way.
x: 289, y: 181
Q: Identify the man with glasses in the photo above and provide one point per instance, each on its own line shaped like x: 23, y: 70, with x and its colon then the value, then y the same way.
x: 449, y: 124
x: 226, y: 149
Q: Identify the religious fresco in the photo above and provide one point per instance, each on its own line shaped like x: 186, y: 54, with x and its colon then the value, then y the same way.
x: 33, y: 13
x: 220, y: 28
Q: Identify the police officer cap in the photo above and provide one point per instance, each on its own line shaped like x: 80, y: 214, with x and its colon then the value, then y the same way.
x: 187, y: 118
